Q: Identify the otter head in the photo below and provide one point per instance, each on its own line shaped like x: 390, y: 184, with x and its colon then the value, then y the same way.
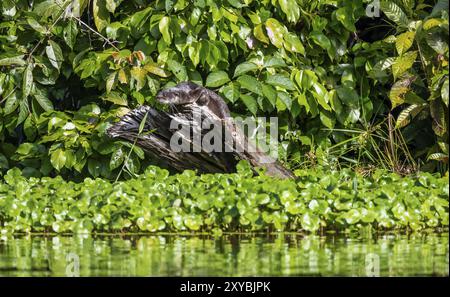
x: 183, y: 93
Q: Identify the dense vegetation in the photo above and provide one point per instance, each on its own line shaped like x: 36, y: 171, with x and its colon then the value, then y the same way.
x: 367, y: 92
x: 157, y: 201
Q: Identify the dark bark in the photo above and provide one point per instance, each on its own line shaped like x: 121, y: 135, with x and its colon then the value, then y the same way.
x: 156, y: 136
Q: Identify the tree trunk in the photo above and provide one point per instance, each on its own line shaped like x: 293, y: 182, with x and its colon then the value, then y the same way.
x: 157, y: 134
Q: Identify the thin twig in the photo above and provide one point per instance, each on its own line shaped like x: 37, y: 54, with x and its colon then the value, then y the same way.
x: 49, y: 30
x: 95, y: 32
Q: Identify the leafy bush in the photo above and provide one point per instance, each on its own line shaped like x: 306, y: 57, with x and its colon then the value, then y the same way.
x: 323, y: 67
x: 157, y: 201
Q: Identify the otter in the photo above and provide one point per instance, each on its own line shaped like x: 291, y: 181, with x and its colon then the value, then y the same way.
x: 158, y: 142
x: 189, y: 92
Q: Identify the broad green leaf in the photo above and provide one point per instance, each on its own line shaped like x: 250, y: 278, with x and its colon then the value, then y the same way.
x: 345, y: 16
x: 217, y: 79
x: 9, y: 8
x: 310, y: 222
x: 214, y: 55
x: 301, y: 99
x: 321, y: 95
x: 250, y: 83
x: 444, y: 91
x: 438, y: 42
x: 164, y: 24
x: 335, y: 103
x: 70, y: 33
x: 76, y: 7
x: 431, y: 23
x: 291, y: 9
x: 403, y: 64
x: 367, y: 108
x: 156, y: 70
x: 404, y: 42
x: 94, y: 167
x: 233, y: 18
x: 58, y: 159
x: 231, y: 91
x: 378, y: 71
x: 117, y: 158
x: 11, y: 103
x: 321, y: 40
x: 196, y: 77
x: 351, y: 115
x: 305, y: 79
x: 100, y: 14
x: 36, y: 26
x: 405, y: 117
x: 111, y: 5
x: 244, y: 68
x: 24, y: 111
x: 27, y: 81
x: 43, y: 100
x: 3, y: 162
x: 438, y: 157
x: 122, y: 75
x: 138, y: 21
x: 169, y: 4
x: 116, y: 98
x: 438, y: 115
x: 139, y: 75
x: 9, y: 61
x: 284, y: 101
x: 194, y: 53
x: 258, y: 31
x: 270, y: 93
x: 327, y: 119
x: 413, y: 98
x: 132, y: 164
x: 348, y: 96
x: 250, y: 102
x: 26, y: 149
x: 118, y: 32
x: 54, y: 54
x: 178, y: 70
x: 293, y: 44
x: 394, y: 13
x: 281, y: 80
x: 398, y: 92
x: 274, y: 62
x: 110, y: 80
x: 276, y: 32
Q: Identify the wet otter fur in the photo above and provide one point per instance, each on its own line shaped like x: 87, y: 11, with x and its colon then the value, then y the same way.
x: 189, y: 92
x: 191, y: 95
x: 184, y: 100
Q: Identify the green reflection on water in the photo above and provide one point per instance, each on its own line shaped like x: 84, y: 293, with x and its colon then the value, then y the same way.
x: 237, y: 255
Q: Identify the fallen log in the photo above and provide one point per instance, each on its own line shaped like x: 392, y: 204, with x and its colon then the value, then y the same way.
x: 192, y: 106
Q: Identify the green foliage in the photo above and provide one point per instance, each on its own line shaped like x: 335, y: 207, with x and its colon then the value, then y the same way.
x: 156, y: 201
x: 301, y: 60
x: 420, y: 68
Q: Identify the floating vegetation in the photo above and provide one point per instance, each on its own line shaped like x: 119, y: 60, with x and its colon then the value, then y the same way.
x: 316, y: 201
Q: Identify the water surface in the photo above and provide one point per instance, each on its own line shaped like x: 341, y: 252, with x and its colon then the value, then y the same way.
x: 232, y: 255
